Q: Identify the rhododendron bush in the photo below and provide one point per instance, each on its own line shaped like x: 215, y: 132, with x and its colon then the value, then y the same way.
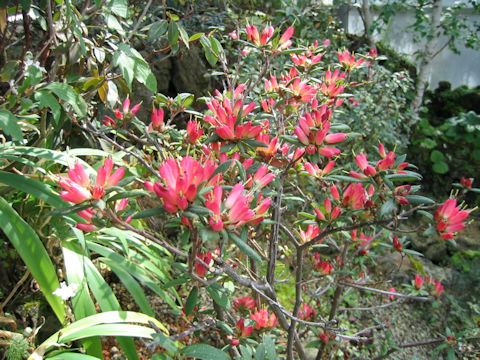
x: 260, y: 190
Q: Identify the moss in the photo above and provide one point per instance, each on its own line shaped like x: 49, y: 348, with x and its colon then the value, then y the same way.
x: 466, y: 260
x: 396, y: 62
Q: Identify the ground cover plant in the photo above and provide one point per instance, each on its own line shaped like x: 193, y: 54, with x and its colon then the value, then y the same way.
x: 253, y: 215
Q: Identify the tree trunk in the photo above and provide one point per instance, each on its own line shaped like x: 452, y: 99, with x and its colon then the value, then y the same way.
x: 429, y: 53
x: 366, y: 16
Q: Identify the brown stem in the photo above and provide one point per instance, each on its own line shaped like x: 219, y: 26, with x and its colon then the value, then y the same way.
x: 335, y: 301
x: 298, y: 301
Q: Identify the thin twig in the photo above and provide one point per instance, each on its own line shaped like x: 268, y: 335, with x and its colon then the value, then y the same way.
x: 140, y: 19
x: 14, y: 290
x: 419, y: 298
x: 393, y: 303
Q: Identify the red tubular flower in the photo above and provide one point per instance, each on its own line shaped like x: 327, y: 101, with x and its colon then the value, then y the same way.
x: 450, y: 218
x: 392, y: 297
x: 302, y: 91
x: 328, y: 213
x: 334, y: 192
x: 311, y: 233
x: 214, y: 203
x: 242, y: 330
x: 263, y: 320
x: 322, y: 265
x: 200, y: 269
x: 362, y: 163
x: 157, y: 120
x: 245, y: 303
x: 180, y: 181
x: 270, y: 150
x: 437, y: 289
x: 400, y: 192
x: 261, y: 177
x: 418, y: 282
x: 226, y: 117
x: 313, y: 132
x: 397, y: 244
x: 253, y: 35
x: 354, y: 196
x: 348, y: 61
x: 314, y: 170
x: 306, y: 312
x: 266, y: 35
x: 466, y: 183
x: 194, y: 131
x: 285, y: 41
x: 78, y: 187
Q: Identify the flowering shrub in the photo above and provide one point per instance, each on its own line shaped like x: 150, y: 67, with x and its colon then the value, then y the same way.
x: 259, y: 190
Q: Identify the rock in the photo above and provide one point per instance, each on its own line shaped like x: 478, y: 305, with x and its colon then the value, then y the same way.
x: 189, y: 73
x: 437, y: 252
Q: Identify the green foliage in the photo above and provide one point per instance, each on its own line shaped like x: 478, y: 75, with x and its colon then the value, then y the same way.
x: 17, y: 348
x: 449, y: 133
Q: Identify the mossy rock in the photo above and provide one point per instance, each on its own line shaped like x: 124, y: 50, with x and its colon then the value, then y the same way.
x: 466, y: 260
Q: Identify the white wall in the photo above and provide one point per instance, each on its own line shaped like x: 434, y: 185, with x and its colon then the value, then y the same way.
x: 447, y: 66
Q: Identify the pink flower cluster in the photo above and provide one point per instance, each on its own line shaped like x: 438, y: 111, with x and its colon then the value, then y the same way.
x: 236, y: 208
x: 227, y: 117
x: 126, y: 115
x: 180, y: 182
x: 313, y: 132
x: 387, y: 162
x: 450, y: 218
x: 78, y: 188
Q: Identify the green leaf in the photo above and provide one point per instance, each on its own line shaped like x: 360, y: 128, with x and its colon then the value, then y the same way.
x: 148, y: 213
x: 269, y: 347
x: 82, y: 303
x: 73, y: 356
x: 315, y: 344
x: 440, y: 167
x: 221, y: 168
x: 417, y: 199
x: 69, y: 210
x: 165, y: 343
x: 254, y: 143
x: 126, y: 65
x: 33, y: 187
x: 430, y: 232
x: 408, y: 176
x: 134, y: 269
x: 183, y: 35
x: 66, y: 93
x: 157, y: 29
x: 46, y: 99
x: 348, y: 179
x: 207, y: 235
x: 388, y: 207
x: 113, y: 24
x: 192, y: 300
x: 131, y: 285
x: 9, y: 125
x: 220, y: 296
x: 196, y: 36
x: 204, y: 352
x: 119, y: 8
x: 111, y: 323
x: 436, y: 156
x: 173, y: 33
x: 426, y: 214
x: 144, y: 75
x: 127, y: 194
x: 412, y: 252
x: 33, y: 253
x: 245, y: 248
x: 260, y: 353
